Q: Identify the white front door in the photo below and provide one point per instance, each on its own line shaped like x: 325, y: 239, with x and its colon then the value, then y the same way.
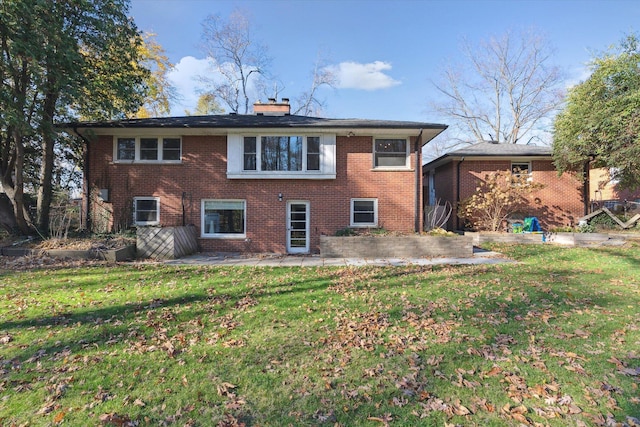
x: 297, y: 227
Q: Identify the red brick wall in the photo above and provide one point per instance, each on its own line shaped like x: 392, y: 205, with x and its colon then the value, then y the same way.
x: 202, y: 175
x: 559, y: 203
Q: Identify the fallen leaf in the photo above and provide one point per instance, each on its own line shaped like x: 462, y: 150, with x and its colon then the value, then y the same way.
x: 59, y: 417
x: 496, y: 370
x: 461, y: 410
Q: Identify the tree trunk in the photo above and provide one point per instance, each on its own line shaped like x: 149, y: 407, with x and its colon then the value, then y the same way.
x: 45, y: 191
x: 15, y: 190
x: 7, y: 217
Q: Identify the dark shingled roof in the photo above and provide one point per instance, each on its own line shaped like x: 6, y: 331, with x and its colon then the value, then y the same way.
x: 496, y: 149
x: 257, y: 121
x: 491, y: 149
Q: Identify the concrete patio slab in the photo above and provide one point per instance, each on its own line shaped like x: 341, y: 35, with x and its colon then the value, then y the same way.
x: 317, y: 261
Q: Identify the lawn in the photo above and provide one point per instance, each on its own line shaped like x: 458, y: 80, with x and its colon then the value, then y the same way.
x: 553, y: 340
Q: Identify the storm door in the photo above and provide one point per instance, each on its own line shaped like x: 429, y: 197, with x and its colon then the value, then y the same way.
x: 297, y: 227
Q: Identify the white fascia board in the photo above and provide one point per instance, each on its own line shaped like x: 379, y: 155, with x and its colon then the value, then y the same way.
x: 427, y: 134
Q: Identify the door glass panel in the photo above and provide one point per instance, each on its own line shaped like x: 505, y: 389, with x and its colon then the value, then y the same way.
x: 297, y: 233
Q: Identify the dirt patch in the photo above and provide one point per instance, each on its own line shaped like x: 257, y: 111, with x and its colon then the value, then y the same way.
x: 83, y: 243
x: 35, y: 261
x: 32, y: 262
x: 86, y: 244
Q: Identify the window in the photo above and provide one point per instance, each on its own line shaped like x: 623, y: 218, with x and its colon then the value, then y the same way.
x: 281, y: 153
x: 146, y: 210
x: 313, y: 153
x: 126, y: 149
x: 521, y: 169
x: 281, y: 156
x: 364, y: 212
x: 171, y: 149
x: 223, y: 218
x: 390, y: 153
x: 250, y: 153
x: 148, y: 149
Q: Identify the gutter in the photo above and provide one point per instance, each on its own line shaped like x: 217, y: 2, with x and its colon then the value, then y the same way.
x: 458, y: 192
x: 418, y: 212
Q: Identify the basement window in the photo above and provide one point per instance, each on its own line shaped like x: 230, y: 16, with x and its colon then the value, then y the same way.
x: 146, y: 211
x: 224, y: 218
x: 364, y: 213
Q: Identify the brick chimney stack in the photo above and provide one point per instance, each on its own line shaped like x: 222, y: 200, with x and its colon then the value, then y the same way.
x: 273, y: 108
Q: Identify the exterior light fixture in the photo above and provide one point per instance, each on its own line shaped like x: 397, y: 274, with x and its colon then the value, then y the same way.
x: 279, y: 197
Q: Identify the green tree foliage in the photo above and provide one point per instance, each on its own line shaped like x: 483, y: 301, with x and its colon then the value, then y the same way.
x: 600, y: 122
x: 207, y: 105
x: 500, y: 195
x: 161, y: 93
x: 59, y: 59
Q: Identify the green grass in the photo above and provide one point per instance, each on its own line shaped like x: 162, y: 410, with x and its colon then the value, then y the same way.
x: 553, y: 340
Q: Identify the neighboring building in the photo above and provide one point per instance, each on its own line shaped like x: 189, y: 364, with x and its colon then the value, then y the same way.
x: 455, y: 176
x: 605, y: 193
x: 268, y: 182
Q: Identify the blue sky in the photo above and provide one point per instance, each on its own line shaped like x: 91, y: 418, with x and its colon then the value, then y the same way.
x: 390, y: 51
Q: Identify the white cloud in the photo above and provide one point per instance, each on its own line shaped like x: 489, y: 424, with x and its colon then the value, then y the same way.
x: 186, y: 76
x: 371, y: 76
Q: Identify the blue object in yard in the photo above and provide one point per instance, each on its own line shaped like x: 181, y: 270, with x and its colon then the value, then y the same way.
x: 531, y: 224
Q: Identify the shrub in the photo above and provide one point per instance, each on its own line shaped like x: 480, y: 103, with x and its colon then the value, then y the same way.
x: 346, y: 232
x: 603, y: 221
x: 500, y: 195
x: 440, y: 232
x: 586, y: 228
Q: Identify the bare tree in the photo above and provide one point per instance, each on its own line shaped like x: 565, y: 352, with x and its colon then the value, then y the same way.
x: 308, y: 102
x: 238, y: 59
x: 506, y: 89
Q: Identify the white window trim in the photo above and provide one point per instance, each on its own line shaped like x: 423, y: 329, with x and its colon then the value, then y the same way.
x: 360, y: 224
x: 259, y: 153
x: 146, y: 223
x: 137, y: 159
x: 222, y: 235
x: 407, y: 165
x: 235, y: 157
x: 529, y: 174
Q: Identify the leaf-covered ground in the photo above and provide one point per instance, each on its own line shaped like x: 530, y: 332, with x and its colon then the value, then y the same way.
x: 553, y: 340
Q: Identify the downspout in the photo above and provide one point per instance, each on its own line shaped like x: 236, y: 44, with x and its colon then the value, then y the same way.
x: 85, y: 180
x: 458, y: 192
x: 586, y: 187
x: 418, y: 212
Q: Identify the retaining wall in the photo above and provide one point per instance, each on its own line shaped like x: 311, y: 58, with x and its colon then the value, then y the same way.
x: 395, y: 247
x: 570, y: 239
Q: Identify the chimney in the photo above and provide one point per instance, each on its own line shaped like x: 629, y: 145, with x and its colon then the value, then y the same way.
x: 272, y: 108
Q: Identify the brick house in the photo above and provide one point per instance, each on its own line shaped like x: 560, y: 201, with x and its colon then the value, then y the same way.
x: 605, y: 192
x: 454, y: 177
x: 266, y: 182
